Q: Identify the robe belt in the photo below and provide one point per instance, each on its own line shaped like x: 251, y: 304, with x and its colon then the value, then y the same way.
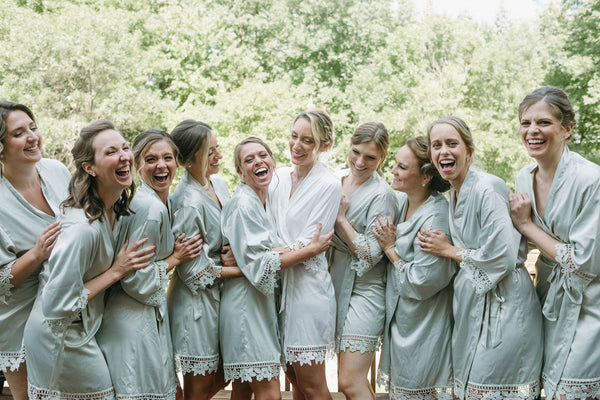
x: 559, y: 285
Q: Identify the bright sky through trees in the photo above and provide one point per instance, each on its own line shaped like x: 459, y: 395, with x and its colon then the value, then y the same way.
x: 484, y: 10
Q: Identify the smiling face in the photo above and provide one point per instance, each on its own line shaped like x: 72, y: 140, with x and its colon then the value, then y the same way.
x: 364, y: 159
x: 214, y: 155
x: 23, y: 141
x: 113, y: 161
x: 406, y: 171
x: 302, y: 143
x: 449, y: 153
x: 158, y: 167
x: 256, y: 166
x: 542, y: 133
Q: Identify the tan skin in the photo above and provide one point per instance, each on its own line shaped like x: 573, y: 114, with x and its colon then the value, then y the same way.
x: 363, y: 159
x: 257, y: 168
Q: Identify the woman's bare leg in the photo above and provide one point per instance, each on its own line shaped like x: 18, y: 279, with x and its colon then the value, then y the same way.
x: 352, y: 375
x: 17, y: 382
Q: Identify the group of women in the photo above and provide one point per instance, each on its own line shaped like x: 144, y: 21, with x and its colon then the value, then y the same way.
x: 298, y: 263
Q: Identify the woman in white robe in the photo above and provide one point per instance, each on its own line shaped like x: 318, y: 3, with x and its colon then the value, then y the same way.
x: 557, y: 207
x: 248, y: 320
x: 135, y: 336
x: 356, y: 262
x: 416, y: 357
x: 497, y: 335
x: 193, y: 297
x: 31, y: 189
x: 63, y: 357
x: 303, y: 196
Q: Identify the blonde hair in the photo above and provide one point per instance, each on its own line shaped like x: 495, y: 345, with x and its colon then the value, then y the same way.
x: 321, y: 126
x: 375, y: 132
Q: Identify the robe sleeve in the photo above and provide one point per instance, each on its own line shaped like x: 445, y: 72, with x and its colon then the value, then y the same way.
x: 426, y: 274
x: 368, y: 252
x: 250, y: 242
x: 72, y: 255
x: 498, y: 243
x: 147, y: 285
x: 8, y: 256
x: 201, y: 272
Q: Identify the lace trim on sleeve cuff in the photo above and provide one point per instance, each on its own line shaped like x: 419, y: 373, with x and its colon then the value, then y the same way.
x: 480, y: 280
x: 311, y: 264
x: 160, y: 295
x: 5, y: 285
x: 363, y: 261
x: 268, y: 282
x: 564, y: 256
x: 204, y: 278
x: 60, y: 325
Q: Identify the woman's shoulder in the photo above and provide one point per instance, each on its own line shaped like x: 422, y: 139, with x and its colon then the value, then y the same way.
x: 582, y: 169
x: 74, y: 222
x: 485, y: 183
x: 53, y: 169
x: 147, y: 205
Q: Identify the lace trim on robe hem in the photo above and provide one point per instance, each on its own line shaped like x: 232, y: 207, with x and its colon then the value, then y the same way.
x: 431, y: 393
x: 363, y: 260
x: 59, y: 325
x: 572, y: 388
x: 199, y: 365
x: 268, y: 281
x: 160, y: 295
x: 148, y: 396
x: 12, y: 360
x: 249, y: 372
x: 5, y: 285
x: 564, y: 256
x: 481, y: 283
x: 205, y: 277
x: 36, y: 393
x: 353, y: 343
x: 311, y: 264
x: 308, y: 354
x: 474, y: 391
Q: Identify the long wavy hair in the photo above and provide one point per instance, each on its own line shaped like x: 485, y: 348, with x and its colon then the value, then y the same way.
x: 83, y: 188
x: 418, y: 145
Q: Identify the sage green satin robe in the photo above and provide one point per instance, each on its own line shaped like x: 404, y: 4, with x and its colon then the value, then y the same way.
x: 569, y: 286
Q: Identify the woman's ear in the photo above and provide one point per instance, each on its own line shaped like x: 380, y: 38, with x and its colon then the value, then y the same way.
x: 88, y: 168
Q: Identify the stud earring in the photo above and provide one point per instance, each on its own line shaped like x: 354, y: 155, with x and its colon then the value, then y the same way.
x: 93, y: 174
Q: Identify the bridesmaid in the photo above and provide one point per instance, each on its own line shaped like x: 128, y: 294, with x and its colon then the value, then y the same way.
x: 356, y: 262
x: 193, y: 295
x: 557, y: 208
x: 497, y: 335
x: 135, y: 336
x: 34, y: 187
x: 248, y: 321
x: 416, y: 358
x: 305, y: 195
x: 62, y: 353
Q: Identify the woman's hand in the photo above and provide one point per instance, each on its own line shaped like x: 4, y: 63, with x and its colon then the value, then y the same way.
x: 344, y: 204
x: 131, y: 259
x: 384, y: 231
x: 520, y: 209
x: 45, y: 242
x: 319, y: 242
x: 227, y: 257
x: 435, y: 242
x: 188, y: 250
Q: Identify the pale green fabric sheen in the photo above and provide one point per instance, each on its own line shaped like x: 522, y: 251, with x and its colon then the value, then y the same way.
x: 20, y: 227
x: 569, y: 287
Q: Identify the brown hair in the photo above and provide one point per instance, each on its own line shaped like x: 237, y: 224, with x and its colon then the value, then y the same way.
x: 83, y: 191
x: 461, y: 127
x: 238, y: 149
x: 7, y: 107
x: 375, y: 132
x: 191, y: 136
x: 557, y: 99
x: 321, y: 126
x: 418, y: 145
x: 145, y: 140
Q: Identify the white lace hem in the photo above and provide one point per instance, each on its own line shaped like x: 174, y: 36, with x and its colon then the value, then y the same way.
x: 572, y: 388
x: 249, y: 372
x: 474, y: 391
x: 363, y: 260
x: 36, y: 393
x: 479, y: 279
x: 5, y: 285
x: 268, y: 281
x: 58, y: 326
x: 12, y: 360
x: 204, y: 278
x: 198, y: 365
x: 308, y: 354
x: 148, y: 396
x: 311, y: 264
x: 564, y: 256
x: 362, y: 343
x: 431, y: 393
x: 160, y: 295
